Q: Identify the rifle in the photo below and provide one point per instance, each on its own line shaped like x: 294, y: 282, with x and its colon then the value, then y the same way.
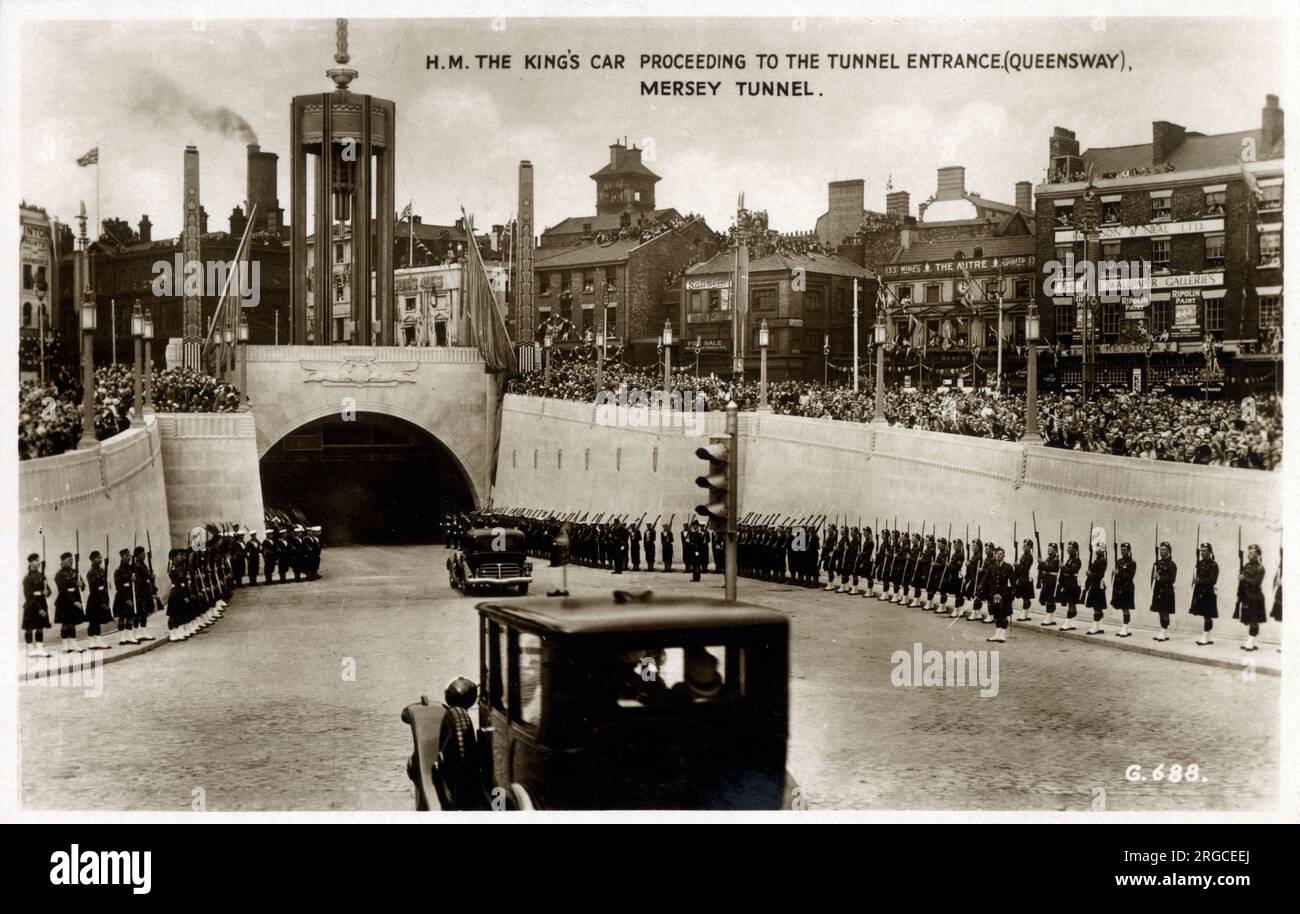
x: 1015, y: 540
x: 1156, y: 548
x: 1114, y: 535
x: 1196, y: 553
x: 76, y: 562
x: 1038, y: 545
x: 42, y: 529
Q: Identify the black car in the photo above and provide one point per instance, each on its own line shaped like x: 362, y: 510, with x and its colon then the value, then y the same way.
x: 490, y: 558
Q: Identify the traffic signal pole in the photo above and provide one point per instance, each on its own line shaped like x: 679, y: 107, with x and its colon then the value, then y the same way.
x: 733, y: 501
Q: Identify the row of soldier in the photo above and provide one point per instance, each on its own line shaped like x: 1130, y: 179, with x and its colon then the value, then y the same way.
x: 201, y: 577
x: 927, y: 571
x: 616, y: 542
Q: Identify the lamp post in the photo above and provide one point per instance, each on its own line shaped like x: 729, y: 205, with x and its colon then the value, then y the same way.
x: 89, y: 319
x: 148, y: 361
x: 137, y: 334
x: 1031, y: 435
x: 546, y: 357
x: 40, y: 330
x: 227, y: 369
x: 600, y: 361
x: 243, y: 363
x: 668, y: 356
x: 762, y: 364
x: 879, y: 331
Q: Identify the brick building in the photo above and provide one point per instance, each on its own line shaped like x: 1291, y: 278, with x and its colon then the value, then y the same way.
x: 807, y: 301
x: 1187, y: 230
x: 632, y: 282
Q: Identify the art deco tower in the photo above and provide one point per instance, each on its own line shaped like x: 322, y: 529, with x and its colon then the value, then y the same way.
x: 349, y: 140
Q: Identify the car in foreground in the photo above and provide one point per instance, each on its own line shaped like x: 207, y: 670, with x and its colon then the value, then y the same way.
x: 628, y: 701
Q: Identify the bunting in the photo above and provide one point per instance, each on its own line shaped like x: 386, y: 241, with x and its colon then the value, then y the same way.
x: 486, y: 320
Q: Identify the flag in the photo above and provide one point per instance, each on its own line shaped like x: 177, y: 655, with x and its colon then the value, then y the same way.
x: 90, y: 158
x: 1251, y: 184
x: 406, y: 213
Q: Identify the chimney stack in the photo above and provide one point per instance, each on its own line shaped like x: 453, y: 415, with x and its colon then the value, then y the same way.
x: 146, y: 229
x: 1025, y: 196
x: 898, y: 203
x: 1165, y: 138
x: 262, y: 188
x: 238, y: 222
x: 1272, y: 126
x: 952, y: 183
x: 845, y: 203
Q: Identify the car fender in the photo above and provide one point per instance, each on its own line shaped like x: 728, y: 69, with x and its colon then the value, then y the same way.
x: 425, y: 720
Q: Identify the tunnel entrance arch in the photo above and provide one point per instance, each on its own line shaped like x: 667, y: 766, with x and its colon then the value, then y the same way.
x: 372, y: 479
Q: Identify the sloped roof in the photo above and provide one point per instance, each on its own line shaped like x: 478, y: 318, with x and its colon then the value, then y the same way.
x: 1009, y: 246
x: 585, y: 254
x: 626, y: 168
x: 830, y: 264
x: 1197, y: 150
x: 607, y: 223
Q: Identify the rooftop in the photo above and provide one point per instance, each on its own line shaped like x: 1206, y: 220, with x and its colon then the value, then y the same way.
x: 828, y: 264
x: 639, y: 612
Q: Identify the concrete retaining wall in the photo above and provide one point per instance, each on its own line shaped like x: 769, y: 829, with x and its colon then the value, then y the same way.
x: 210, y: 460
x: 116, y: 489
x: 564, y: 455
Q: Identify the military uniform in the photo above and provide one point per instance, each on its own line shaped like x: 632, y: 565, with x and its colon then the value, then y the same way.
x: 98, y: 611
x: 1001, y: 592
x: 666, y: 541
x: 634, y: 542
x: 124, y: 598
x: 36, y: 616
x: 68, y: 611
x: 1164, y: 574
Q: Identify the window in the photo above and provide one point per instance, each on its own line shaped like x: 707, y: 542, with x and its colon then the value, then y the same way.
x: 1270, y: 249
x: 904, y: 294
x: 611, y: 281
x: 1110, y: 212
x: 841, y: 300
x: 1271, y: 197
x: 1270, y: 311
x: 1110, y: 317
x: 1160, y: 209
x: 588, y: 281
x: 410, y: 304
x: 1110, y: 252
x: 715, y: 300
x: 1160, y: 253
x: 1065, y: 215
x: 765, y: 299
x: 1161, y: 316
x: 27, y: 276
x: 611, y: 321
x: 812, y: 341
x: 338, y: 253
x: 525, y: 677
x: 698, y: 302
x: 1065, y: 318
x: 1214, y: 245
x: 1064, y: 253
x: 992, y: 290
x: 27, y: 313
x: 1214, y: 314
x: 1024, y: 290
x: 931, y: 293
x: 812, y: 300
x: 794, y: 341
x: 588, y: 319
x: 1214, y: 202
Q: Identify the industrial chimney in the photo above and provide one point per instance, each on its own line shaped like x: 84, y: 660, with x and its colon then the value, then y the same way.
x: 262, y: 190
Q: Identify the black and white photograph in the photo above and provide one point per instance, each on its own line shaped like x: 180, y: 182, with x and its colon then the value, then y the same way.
x: 448, y: 409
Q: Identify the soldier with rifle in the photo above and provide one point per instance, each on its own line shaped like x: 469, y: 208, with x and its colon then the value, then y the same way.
x: 950, y: 583
x: 1067, y: 584
x: 98, y: 611
x: 252, y: 557
x: 68, y: 611
x: 649, y: 543
x: 848, y: 563
x: 124, y: 598
x: 1164, y: 574
x: 634, y: 543
x: 1250, y: 594
x: 934, y: 575
x: 1122, y: 589
x: 987, y: 580
x: 829, y: 547
x: 36, y: 616
x: 142, y: 581
x: 1205, y: 600
x: 866, y: 558
x: 970, y: 582
x: 925, y: 547
x: 1094, y: 585
x: 666, y: 542
x: 1001, y: 593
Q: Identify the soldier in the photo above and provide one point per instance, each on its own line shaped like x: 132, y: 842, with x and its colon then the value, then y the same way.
x: 68, y: 612
x: 252, y: 557
x: 1048, y: 570
x: 666, y: 541
x: 271, y: 554
x: 1250, y: 597
x: 1205, y: 601
x: 718, y: 542
x: 950, y: 582
x: 124, y: 598
x: 98, y: 612
x: 634, y: 542
x: 881, y: 563
x: 866, y: 558
x: 1122, y: 589
x: 648, y: 540
x: 618, y: 546
x: 1163, y: 576
x: 1094, y: 587
x: 987, y: 580
x: 311, y: 542
x: 970, y: 583
x: 934, y: 576
x: 1067, y: 584
x: 849, y: 563
x: 1001, y: 590
x: 36, y: 616
x: 238, y: 557
x: 286, y: 554
x: 145, y: 590
x: 299, y: 554
x: 177, y: 598
x: 810, y: 556
x: 828, y: 555
x: 698, y: 550
x: 1024, y: 579
x: 921, y: 565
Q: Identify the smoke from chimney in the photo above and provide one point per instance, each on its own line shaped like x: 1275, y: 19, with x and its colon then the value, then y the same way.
x: 159, y: 98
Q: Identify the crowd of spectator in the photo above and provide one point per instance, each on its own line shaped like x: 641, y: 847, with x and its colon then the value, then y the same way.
x: 1146, y: 425
x: 49, y: 414
x: 1060, y: 176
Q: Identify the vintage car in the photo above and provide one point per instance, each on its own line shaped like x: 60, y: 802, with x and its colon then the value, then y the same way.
x: 490, y: 558
x: 634, y: 702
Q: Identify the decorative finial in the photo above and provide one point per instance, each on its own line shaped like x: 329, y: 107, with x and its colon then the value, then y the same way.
x: 341, y: 75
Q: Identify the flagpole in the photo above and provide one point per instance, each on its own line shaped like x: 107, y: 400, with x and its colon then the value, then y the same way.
x: 410, y: 224
x: 97, y: 223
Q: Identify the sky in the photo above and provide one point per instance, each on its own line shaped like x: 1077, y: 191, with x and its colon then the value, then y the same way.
x: 143, y: 90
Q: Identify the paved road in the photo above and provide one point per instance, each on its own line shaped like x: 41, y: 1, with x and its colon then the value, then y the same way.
x: 292, y: 702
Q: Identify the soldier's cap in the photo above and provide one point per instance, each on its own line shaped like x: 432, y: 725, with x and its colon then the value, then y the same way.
x: 94, y: 555
x: 139, y: 550
x: 1165, y: 545
x: 1029, y: 544
x: 65, y: 556
x: 1207, y: 546
x: 975, y: 542
x: 1051, y: 547
x: 124, y: 552
x: 1072, y: 545
x: 34, y: 557
x: 1125, y: 546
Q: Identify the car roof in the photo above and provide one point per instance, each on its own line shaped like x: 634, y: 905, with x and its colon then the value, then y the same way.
x: 630, y: 611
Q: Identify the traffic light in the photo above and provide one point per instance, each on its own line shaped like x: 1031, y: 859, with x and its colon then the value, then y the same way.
x: 718, y: 481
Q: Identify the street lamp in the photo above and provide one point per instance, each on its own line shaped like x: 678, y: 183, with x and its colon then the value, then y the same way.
x: 600, y: 361
x: 546, y: 357
x: 148, y: 361
x: 40, y: 328
x: 668, y: 355
x: 879, y: 331
x: 243, y: 362
x: 1031, y: 435
x: 137, y: 333
x: 227, y: 369
x: 762, y: 364
x: 89, y: 319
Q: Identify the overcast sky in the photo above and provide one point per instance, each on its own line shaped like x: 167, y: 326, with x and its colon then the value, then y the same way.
x: 142, y: 91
